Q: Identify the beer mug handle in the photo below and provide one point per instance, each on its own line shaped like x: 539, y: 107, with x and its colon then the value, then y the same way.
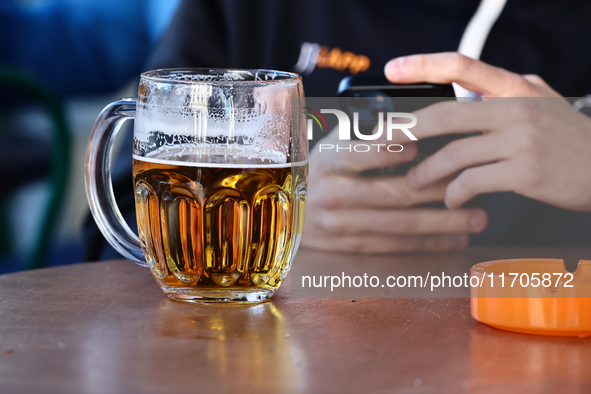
x: 99, y: 186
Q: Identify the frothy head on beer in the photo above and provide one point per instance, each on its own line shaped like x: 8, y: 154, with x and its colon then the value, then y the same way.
x: 206, y: 116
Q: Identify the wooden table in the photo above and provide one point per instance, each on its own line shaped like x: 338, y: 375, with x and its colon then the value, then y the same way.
x: 107, y: 328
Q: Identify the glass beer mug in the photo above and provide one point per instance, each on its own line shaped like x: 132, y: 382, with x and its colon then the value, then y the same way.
x: 220, y: 168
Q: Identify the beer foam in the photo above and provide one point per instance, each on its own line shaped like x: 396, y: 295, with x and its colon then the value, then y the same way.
x: 216, y: 157
x: 221, y: 77
x: 196, y: 127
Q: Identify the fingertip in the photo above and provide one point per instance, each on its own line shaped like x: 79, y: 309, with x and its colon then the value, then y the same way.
x: 478, y: 221
x: 393, y: 69
x: 450, y: 203
x: 535, y: 79
x: 451, y: 200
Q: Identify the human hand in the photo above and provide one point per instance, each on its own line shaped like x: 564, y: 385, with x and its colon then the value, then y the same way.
x: 533, y: 146
x: 346, y: 211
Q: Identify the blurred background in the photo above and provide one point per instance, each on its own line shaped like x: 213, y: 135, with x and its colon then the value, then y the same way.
x: 61, y: 62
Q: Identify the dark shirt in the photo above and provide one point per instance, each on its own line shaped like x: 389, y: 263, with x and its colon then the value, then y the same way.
x: 542, y: 37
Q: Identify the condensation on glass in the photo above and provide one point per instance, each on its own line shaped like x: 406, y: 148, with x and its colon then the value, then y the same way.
x: 220, y: 167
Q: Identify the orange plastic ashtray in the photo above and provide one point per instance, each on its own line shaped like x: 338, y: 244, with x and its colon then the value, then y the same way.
x: 536, y: 296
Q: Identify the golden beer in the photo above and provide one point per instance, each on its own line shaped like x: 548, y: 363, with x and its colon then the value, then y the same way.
x: 220, y: 165
x: 224, y: 228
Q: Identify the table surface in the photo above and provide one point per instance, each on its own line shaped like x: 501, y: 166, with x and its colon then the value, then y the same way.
x: 107, y: 328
